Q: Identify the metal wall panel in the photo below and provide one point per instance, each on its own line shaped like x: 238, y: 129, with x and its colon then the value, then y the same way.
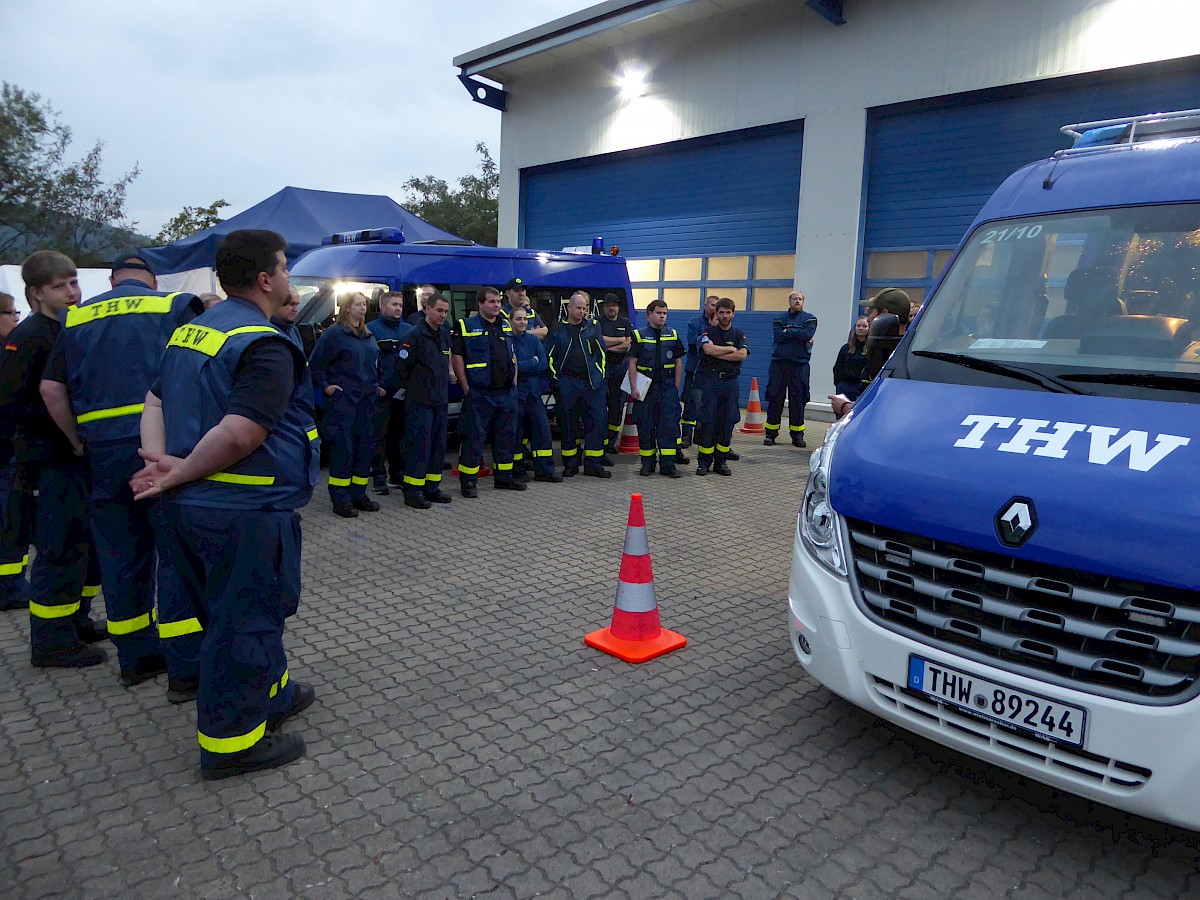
x: 730, y: 193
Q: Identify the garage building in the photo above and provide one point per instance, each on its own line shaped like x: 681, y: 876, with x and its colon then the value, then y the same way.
x: 741, y: 147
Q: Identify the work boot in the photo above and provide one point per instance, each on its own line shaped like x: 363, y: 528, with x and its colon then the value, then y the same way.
x: 469, y: 491
x: 606, y: 462
x: 380, y: 487
x: 271, y: 752
x: 416, y: 501
x: 769, y: 440
x: 685, y: 441
x: 672, y: 472
x: 437, y: 495
x: 798, y: 442
x: 682, y: 458
x: 570, y: 471
x: 722, y: 469
x: 509, y: 484
x: 76, y: 657
x: 395, y: 485
x: 702, y: 468
x: 551, y: 477
x: 345, y: 510
x: 302, y: 699
x: 596, y: 472
x: 183, y: 690
x: 144, y: 670
x: 647, y: 466
x: 733, y: 457
x: 519, y: 473
x: 366, y: 504
x: 92, y: 631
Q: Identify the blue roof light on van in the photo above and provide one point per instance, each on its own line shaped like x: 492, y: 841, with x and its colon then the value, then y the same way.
x: 386, y: 235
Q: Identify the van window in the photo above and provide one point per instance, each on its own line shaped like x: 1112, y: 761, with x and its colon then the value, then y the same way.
x: 319, y: 296
x: 1095, y: 298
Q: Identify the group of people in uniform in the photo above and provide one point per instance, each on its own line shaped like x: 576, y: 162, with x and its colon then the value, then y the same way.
x: 162, y: 450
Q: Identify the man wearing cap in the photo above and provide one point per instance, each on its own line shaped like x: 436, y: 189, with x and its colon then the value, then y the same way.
x: 96, y: 398
x: 617, y: 332
x: 793, y: 332
x: 516, y: 296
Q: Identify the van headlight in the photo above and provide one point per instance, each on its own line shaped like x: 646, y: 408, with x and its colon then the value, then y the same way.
x: 820, y: 527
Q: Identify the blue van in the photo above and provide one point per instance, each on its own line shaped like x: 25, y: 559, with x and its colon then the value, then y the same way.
x: 995, y: 547
x: 378, y: 260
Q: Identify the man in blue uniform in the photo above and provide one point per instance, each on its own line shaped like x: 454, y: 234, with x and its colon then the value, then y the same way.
x: 49, y: 467
x: 485, y: 365
x: 793, y: 331
x: 516, y: 296
x: 533, y: 424
x: 15, y: 505
x: 618, y: 338
x: 96, y: 397
x: 724, y: 349
x: 389, y: 331
x: 657, y: 351
x: 691, y: 390
x: 423, y: 373
x: 226, y: 447
x: 576, y: 358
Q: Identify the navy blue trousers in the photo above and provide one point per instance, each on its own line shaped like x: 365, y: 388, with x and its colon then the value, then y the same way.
x: 534, y: 427
x: 578, y: 400
x: 388, y: 462
x: 424, y: 447
x: 350, y: 428
x: 616, y: 400
x: 240, y: 571
x: 487, y: 411
x: 62, y: 578
x: 123, y: 534
x: 787, y: 379
x: 689, y: 420
x: 657, y: 417
x: 718, y: 416
x: 16, y: 517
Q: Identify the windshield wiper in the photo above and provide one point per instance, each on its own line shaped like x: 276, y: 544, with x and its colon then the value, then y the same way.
x: 1138, y: 379
x: 1049, y: 382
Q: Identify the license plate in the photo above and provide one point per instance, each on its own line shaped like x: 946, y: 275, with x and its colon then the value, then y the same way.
x: 1021, y: 710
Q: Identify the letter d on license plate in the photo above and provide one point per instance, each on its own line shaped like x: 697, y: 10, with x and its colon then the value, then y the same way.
x: 1020, y: 710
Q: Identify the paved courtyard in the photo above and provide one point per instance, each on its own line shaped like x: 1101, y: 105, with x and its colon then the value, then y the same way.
x: 466, y: 743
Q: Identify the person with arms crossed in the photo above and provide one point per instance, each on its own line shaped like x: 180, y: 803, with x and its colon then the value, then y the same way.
x: 724, y: 349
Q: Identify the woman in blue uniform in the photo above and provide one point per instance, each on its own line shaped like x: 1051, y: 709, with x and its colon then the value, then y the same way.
x: 345, y: 369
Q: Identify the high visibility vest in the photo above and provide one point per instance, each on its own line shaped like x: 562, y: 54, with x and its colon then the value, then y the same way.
x: 113, y: 345
x: 657, y: 349
x: 197, y: 379
x: 478, y: 348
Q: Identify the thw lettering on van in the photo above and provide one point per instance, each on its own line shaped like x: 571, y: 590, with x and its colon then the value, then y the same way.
x: 1105, y: 444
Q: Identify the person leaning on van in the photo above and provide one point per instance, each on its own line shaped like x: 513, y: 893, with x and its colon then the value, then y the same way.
x: 345, y: 369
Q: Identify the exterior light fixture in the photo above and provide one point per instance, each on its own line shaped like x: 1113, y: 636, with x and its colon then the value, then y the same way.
x: 632, y: 82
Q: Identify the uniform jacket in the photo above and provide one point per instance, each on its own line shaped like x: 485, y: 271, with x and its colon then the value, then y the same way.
x: 196, y: 381
x: 423, y: 366
x: 348, y: 360
x: 36, y: 437
x: 532, y: 364
x: 734, y: 337
x: 792, y: 332
x: 695, y: 328
x: 112, y: 347
x: 389, y: 334
x: 558, y: 344
x: 657, y: 352
x: 478, y: 346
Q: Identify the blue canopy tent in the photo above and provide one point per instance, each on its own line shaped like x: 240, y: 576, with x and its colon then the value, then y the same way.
x: 303, y: 217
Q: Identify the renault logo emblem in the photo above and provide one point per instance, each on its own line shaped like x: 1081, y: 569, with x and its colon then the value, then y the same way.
x: 1016, y: 521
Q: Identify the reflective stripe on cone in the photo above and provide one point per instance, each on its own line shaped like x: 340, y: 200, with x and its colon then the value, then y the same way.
x: 636, y: 634
x: 755, y: 417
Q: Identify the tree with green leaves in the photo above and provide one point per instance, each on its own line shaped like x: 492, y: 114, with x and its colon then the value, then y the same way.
x: 47, y: 202
x: 471, y: 211
x: 190, y: 220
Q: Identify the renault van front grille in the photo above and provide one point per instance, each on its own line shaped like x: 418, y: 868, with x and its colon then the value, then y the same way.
x: 1130, y: 640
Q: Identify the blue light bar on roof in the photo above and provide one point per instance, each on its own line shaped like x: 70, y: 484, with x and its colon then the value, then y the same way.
x: 387, y: 235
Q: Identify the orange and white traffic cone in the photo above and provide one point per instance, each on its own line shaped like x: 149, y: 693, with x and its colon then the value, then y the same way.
x: 629, y: 435
x: 755, y: 417
x: 636, y: 634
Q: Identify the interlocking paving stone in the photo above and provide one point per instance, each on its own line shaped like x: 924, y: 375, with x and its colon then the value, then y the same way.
x: 466, y: 743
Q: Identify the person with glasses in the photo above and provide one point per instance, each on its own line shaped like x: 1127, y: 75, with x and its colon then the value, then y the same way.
x: 15, y: 509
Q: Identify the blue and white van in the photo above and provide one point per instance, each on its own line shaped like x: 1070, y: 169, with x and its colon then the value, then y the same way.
x: 997, y: 547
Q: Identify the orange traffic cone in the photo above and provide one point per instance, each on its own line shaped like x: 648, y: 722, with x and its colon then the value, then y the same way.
x: 629, y: 434
x: 635, y: 634
x: 755, y: 417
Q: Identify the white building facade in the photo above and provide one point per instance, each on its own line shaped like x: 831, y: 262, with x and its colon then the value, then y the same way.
x: 767, y: 147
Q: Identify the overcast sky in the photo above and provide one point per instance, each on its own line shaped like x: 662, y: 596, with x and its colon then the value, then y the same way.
x: 235, y: 99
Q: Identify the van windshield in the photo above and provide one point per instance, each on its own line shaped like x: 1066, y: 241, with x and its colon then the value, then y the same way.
x: 1104, y: 302
x: 319, y: 296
